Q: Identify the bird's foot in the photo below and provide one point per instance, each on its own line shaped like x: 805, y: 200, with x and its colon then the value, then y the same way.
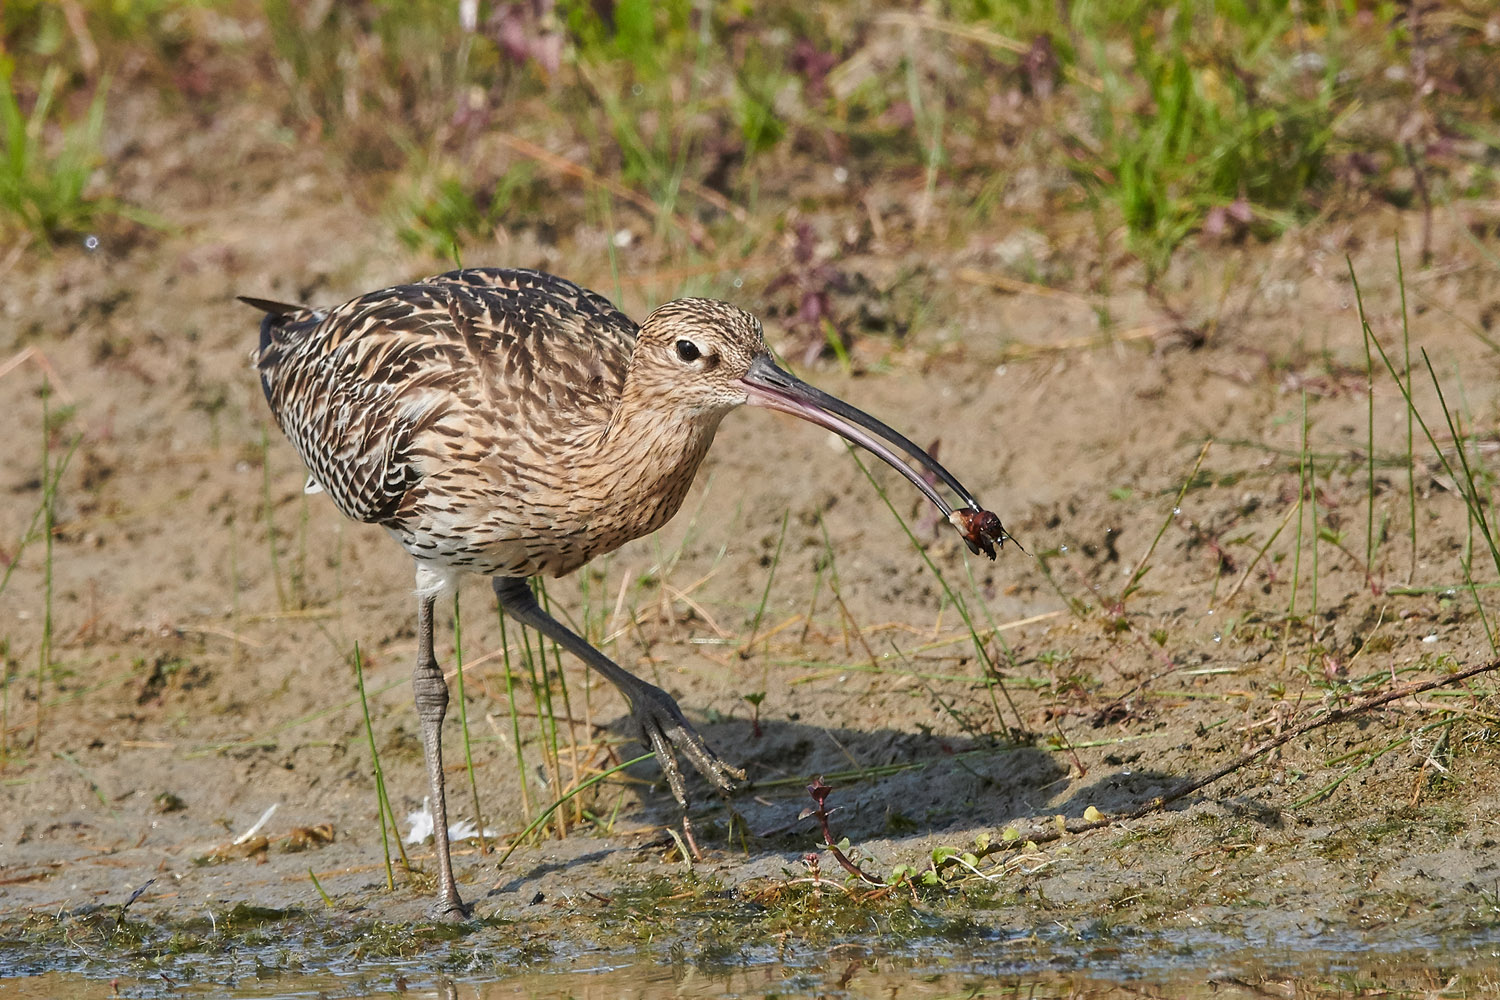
x: 449, y: 909
x: 667, y: 732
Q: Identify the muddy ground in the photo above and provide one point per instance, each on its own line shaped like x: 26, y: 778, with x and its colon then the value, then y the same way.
x: 204, y: 611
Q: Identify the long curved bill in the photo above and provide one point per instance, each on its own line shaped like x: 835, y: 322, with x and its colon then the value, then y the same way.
x: 775, y: 389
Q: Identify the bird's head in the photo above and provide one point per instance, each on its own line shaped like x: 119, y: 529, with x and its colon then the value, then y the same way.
x: 702, y: 358
x: 693, y: 354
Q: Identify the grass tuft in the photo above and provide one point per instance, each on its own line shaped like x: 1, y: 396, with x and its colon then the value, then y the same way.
x: 463, y: 719
x: 44, y: 191
x: 388, y: 826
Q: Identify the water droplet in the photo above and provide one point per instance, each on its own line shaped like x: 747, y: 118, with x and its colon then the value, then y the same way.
x: 1062, y: 548
x: 1218, y: 637
x: 91, y: 242
x: 739, y: 282
x: 840, y: 175
x: 1176, y: 511
x: 637, y: 90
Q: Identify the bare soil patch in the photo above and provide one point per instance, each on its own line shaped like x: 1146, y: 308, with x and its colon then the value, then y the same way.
x: 203, y: 610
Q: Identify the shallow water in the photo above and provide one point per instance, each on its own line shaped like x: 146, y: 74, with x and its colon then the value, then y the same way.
x: 658, y: 983
x: 1166, y: 966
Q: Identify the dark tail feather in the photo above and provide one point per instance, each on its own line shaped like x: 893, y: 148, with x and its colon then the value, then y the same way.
x: 274, y: 311
x: 269, y: 307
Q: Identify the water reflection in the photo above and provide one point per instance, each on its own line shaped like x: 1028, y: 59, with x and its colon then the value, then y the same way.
x: 1471, y: 972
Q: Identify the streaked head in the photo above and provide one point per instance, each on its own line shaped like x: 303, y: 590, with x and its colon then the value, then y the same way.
x: 692, y: 354
x: 705, y: 357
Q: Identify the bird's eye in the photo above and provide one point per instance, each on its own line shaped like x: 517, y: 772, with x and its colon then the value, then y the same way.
x: 688, y: 351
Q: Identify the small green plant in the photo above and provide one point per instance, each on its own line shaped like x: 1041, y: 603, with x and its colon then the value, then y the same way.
x: 991, y: 676
x: 756, y: 85
x: 372, y: 75
x: 44, y: 185
x: 566, y: 796
x: 41, y: 528
x: 438, y: 220
x: 765, y: 595
x: 623, y: 60
x: 1186, y: 129
x: 268, y: 512
x: 436, y: 215
x: 327, y: 899
x: 956, y: 864
x: 511, y: 682
x: 645, y: 35
x: 1143, y: 566
x: 755, y: 698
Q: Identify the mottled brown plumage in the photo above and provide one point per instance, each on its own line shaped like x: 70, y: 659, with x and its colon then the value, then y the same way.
x: 511, y: 423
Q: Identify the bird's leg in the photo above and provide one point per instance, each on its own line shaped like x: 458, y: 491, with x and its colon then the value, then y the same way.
x: 431, y: 693
x: 663, y: 727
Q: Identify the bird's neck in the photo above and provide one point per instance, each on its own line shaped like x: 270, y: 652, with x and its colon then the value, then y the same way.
x: 645, y: 462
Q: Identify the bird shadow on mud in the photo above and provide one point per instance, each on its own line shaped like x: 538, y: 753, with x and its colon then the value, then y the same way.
x: 888, y: 785
x: 892, y: 783
x: 888, y: 782
x: 894, y: 793
x: 898, y: 789
x: 1122, y: 791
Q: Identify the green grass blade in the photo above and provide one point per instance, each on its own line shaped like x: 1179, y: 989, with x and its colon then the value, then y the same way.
x: 463, y: 719
x: 765, y: 594
x: 545, y: 814
x: 991, y: 678
x: 382, y: 802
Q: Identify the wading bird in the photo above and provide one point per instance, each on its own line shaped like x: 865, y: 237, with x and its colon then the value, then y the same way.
x: 511, y: 423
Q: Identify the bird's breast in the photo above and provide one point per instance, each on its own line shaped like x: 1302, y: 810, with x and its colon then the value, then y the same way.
x: 526, y: 505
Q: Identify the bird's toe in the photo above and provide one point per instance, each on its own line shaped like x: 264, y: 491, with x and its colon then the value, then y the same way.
x: 668, y: 734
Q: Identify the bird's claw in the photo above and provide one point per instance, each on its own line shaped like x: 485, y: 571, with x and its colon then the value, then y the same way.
x: 666, y: 732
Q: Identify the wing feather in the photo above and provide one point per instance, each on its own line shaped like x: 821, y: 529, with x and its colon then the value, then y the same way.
x: 380, y: 391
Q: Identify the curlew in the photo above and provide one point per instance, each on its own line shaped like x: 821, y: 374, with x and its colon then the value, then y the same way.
x: 510, y: 423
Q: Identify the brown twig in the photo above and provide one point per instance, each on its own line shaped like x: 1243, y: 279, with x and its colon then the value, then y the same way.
x: 88, y: 52
x: 1337, y: 715
x: 1055, y: 830
x: 39, y: 359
